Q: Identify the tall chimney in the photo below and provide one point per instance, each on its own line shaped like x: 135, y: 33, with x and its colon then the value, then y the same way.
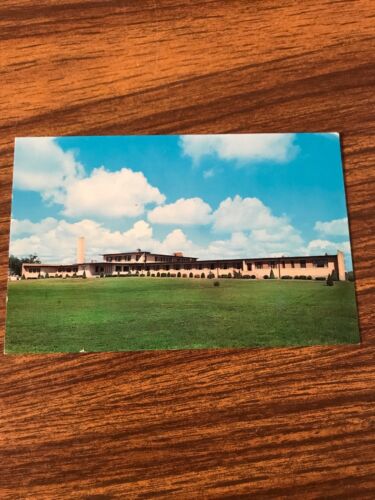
x: 81, y: 250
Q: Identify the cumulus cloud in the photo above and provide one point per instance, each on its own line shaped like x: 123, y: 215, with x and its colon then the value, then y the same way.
x: 41, y: 165
x: 185, y: 211
x: 279, y: 148
x: 237, y: 214
x: 335, y: 227
x: 123, y: 193
x: 316, y: 247
x: 56, y: 242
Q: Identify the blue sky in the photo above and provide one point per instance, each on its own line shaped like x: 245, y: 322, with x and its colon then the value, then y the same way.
x: 238, y: 195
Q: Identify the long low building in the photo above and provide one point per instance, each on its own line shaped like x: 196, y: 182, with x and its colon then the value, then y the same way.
x: 177, y: 265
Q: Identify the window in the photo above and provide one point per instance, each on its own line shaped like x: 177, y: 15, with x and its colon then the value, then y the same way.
x: 292, y: 263
x: 249, y: 266
x: 258, y: 265
x: 283, y: 264
x: 117, y: 269
x: 303, y: 263
x: 272, y: 264
x: 212, y: 266
x: 319, y: 263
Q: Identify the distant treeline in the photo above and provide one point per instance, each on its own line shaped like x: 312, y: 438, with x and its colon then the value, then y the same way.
x: 15, y: 264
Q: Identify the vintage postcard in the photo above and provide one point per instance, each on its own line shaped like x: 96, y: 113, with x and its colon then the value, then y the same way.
x: 179, y: 242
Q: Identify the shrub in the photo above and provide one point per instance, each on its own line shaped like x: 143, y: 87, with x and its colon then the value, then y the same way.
x: 178, y: 274
x: 286, y: 277
x: 23, y: 277
x: 184, y: 275
x: 216, y: 283
x: 210, y: 276
x: 74, y: 275
x: 158, y: 275
x: 197, y: 276
x: 229, y: 275
x: 101, y: 275
x: 173, y: 275
x: 191, y: 275
x: 203, y: 275
x: 329, y: 281
x: 168, y: 274
x: 142, y: 275
x: 320, y: 278
x: 84, y: 275
x: 253, y: 277
x: 46, y: 275
x: 334, y: 275
x: 302, y: 277
x: 265, y: 277
x: 39, y: 276
x: 148, y: 273
x: 272, y: 275
x: 152, y: 275
x: 246, y: 277
x: 163, y: 275
x: 309, y: 277
x: 296, y: 277
x: 223, y: 276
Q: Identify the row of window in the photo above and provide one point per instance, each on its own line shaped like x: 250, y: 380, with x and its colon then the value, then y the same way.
x: 230, y: 265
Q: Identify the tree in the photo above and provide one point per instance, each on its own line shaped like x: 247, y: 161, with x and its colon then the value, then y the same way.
x: 329, y: 281
x: 84, y: 274
x: 15, y: 264
x: 272, y: 275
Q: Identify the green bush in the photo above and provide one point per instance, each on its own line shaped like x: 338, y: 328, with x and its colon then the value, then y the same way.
x: 272, y: 275
x: 173, y: 275
x: 84, y: 275
x: 158, y: 275
x: 184, y: 275
x: 203, y: 275
x: 178, y: 274
x: 253, y: 277
x: 320, y: 278
x: 309, y: 277
x: 334, y: 275
x: 229, y: 275
x: 148, y: 273
x: 210, y: 276
x: 286, y: 277
x: 163, y: 275
x: 191, y: 275
x: 216, y: 283
x: 197, y: 276
x: 46, y: 275
x: 23, y: 277
x: 265, y: 277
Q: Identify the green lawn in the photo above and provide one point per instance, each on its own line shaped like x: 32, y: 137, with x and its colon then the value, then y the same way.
x: 112, y: 314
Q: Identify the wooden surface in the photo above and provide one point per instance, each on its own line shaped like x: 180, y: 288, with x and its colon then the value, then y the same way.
x: 194, y: 424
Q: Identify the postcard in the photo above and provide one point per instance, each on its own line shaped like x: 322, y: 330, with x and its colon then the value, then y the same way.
x: 179, y: 242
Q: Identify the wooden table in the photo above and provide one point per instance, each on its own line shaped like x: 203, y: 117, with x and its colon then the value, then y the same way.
x: 192, y: 424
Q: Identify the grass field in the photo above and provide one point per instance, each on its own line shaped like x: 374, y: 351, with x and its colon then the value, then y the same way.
x: 114, y: 314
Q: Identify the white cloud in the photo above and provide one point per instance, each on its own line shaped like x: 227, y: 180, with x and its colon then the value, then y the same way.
x: 238, y: 214
x: 336, y: 227
x: 279, y: 148
x: 123, y: 193
x: 207, y: 174
x: 317, y: 247
x: 184, y: 211
x: 41, y: 165
x: 57, y: 242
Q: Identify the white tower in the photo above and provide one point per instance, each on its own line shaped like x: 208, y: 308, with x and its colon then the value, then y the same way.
x: 81, y: 250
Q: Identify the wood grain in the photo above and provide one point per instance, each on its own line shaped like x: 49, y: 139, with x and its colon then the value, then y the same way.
x: 192, y: 424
